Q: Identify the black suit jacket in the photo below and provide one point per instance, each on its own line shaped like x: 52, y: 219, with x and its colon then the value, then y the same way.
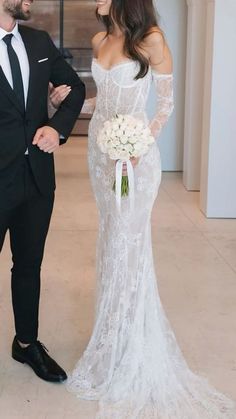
x: 17, y: 128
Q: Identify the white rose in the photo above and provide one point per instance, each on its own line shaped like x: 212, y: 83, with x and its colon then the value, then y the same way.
x: 115, y: 126
x: 139, y: 132
x: 123, y: 127
x: 113, y: 155
x: 133, y: 140
x: 119, y: 119
x: 132, y: 132
x: 124, y: 140
x: 123, y: 155
x: 115, y: 143
x: 135, y: 154
x: 129, y: 119
x: 119, y: 133
x: 108, y: 132
x: 119, y: 148
x: 145, y: 132
x: 139, y: 125
x: 129, y: 148
x: 112, y: 135
x: 138, y: 146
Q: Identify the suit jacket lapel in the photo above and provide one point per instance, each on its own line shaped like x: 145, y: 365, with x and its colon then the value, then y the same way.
x: 6, y: 88
x: 31, y: 52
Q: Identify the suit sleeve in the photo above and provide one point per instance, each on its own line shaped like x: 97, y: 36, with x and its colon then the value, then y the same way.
x: 62, y: 73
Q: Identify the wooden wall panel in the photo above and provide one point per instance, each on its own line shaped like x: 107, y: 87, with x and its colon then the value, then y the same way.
x: 80, y: 22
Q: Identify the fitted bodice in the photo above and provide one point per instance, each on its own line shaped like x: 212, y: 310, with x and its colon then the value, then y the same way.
x: 118, y: 91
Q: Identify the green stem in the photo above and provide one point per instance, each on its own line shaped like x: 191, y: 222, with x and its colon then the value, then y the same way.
x: 124, y: 186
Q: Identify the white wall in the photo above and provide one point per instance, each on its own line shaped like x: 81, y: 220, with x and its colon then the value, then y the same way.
x: 174, y: 23
x: 196, y: 45
x: 218, y: 174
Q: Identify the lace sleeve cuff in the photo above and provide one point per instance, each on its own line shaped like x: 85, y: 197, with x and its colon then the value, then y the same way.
x: 165, y: 101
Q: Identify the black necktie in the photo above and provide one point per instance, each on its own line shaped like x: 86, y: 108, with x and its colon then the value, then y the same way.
x: 18, y: 86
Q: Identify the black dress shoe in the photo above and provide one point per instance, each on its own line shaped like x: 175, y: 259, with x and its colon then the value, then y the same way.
x: 36, y: 357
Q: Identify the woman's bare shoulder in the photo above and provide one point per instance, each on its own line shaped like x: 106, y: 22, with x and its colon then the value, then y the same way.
x: 154, y: 38
x: 157, y: 50
x: 97, y: 40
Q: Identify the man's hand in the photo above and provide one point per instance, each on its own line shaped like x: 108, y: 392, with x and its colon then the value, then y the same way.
x: 47, y: 139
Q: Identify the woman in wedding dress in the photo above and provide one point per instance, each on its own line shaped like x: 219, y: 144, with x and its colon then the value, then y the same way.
x: 132, y: 364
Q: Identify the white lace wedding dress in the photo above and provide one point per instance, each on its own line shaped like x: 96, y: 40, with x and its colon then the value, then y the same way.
x: 133, y: 365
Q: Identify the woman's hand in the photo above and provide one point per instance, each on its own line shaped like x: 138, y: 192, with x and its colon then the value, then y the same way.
x: 58, y: 94
x: 134, y: 161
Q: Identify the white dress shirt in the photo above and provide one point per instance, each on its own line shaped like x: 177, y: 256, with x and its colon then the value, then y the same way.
x: 19, y: 47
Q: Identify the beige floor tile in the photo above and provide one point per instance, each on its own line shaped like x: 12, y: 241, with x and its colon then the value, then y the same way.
x: 195, y: 262
x: 225, y: 244
x: 188, y: 202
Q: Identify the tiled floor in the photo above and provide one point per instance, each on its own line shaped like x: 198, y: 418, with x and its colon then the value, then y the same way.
x: 196, y: 265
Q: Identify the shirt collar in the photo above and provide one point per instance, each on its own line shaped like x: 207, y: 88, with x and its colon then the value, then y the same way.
x: 15, y: 32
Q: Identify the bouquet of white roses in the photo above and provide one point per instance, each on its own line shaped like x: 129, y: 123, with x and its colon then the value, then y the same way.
x: 122, y: 138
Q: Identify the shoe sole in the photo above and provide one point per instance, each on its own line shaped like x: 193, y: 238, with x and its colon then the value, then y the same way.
x: 23, y: 361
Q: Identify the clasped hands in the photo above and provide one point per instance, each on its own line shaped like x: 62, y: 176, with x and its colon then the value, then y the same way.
x: 47, y: 139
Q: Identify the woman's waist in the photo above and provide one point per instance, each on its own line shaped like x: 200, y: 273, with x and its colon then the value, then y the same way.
x: 103, y: 115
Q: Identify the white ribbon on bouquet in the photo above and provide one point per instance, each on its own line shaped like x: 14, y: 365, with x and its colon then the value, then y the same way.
x: 130, y: 173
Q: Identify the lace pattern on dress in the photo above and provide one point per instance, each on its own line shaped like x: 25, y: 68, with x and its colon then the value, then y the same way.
x: 133, y: 364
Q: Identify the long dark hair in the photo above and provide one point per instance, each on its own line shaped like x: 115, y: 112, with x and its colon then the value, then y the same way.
x: 135, y: 18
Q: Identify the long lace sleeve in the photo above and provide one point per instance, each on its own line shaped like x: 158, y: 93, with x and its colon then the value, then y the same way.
x: 165, y: 101
x: 89, y: 105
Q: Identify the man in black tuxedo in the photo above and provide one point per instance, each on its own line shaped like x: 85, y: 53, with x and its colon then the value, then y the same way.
x: 28, y: 62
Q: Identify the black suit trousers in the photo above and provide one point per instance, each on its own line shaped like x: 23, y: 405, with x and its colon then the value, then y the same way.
x: 28, y: 221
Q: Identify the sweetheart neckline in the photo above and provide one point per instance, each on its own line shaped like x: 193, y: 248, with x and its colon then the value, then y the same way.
x: 121, y: 63
x: 126, y: 62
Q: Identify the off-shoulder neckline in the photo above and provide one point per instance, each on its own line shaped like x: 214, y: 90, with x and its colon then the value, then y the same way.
x: 127, y: 62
